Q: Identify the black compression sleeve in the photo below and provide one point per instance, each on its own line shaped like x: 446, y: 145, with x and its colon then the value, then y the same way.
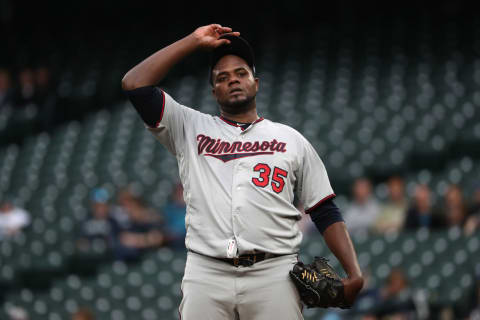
x: 149, y: 102
x: 325, y: 215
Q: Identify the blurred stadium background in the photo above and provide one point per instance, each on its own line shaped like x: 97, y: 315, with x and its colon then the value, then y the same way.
x: 380, y: 90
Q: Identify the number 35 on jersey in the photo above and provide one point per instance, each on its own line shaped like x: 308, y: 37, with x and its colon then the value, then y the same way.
x: 275, y: 178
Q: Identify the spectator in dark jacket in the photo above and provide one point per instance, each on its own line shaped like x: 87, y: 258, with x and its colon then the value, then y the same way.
x: 174, y: 213
x: 455, y: 210
x: 140, y: 232
x: 97, y: 233
x: 25, y: 93
x: 45, y: 98
x: 421, y: 213
x: 395, y: 298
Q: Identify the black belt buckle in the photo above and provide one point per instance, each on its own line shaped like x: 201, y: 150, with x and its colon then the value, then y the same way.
x: 246, y: 261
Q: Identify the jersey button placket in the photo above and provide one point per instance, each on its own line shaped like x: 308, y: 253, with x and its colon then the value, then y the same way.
x: 237, y: 197
x: 236, y: 188
x: 235, y: 201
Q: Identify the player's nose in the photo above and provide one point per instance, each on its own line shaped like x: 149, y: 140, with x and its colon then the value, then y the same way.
x: 233, y: 80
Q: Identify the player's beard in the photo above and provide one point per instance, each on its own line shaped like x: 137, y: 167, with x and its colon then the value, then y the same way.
x: 239, y: 106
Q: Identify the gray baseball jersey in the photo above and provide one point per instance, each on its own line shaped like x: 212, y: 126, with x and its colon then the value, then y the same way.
x: 239, y: 184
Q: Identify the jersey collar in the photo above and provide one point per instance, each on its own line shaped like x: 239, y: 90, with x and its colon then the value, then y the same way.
x: 232, y: 123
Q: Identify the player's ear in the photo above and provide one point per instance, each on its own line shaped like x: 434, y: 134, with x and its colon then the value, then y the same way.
x: 213, y: 91
x: 257, y: 83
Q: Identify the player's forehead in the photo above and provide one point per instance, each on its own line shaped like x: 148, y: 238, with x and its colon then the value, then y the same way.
x: 229, y: 63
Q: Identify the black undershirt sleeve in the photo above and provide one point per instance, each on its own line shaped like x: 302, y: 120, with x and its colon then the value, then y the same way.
x: 325, y: 215
x: 149, y: 103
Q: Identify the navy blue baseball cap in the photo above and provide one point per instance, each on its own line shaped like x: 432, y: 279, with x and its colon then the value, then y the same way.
x: 238, y: 47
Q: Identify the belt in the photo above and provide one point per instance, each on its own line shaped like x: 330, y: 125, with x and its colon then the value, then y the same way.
x: 247, y: 260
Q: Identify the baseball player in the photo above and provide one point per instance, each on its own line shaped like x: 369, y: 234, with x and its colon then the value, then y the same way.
x: 240, y: 173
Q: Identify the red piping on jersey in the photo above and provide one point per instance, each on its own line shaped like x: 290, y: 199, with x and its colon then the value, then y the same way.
x: 333, y: 195
x: 236, y: 125
x: 163, y: 109
x: 259, y: 119
x: 179, y: 312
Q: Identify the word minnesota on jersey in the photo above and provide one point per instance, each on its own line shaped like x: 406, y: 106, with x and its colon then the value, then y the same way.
x: 226, y: 151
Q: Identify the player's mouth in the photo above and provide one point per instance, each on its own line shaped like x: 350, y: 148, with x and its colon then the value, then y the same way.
x: 236, y: 90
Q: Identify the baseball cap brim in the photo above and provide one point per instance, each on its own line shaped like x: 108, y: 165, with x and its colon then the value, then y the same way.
x: 237, y: 46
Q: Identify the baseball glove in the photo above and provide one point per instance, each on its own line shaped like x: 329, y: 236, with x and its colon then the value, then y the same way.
x: 318, y: 284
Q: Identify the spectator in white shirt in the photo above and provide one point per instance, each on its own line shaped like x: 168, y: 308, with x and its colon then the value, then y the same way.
x: 12, y: 219
x: 363, y: 211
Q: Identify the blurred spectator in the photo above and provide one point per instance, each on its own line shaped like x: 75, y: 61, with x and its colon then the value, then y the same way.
x: 394, y: 300
x: 368, y: 298
x: 83, y: 314
x: 119, y: 210
x: 174, y: 213
x: 25, y: 93
x: 6, y: 92
x: 12, y: 219
x: 454, y: 207
x: 364, y: 209
x: 128, y: 203
x: 42, y: 83
x: 45, y: 98
x: 421, y: 213
x: 142, y: 230
x: 395, y: 297
x: 17, y: 313
x: 392, y: 213
x: 473, y: 221
x: 397, y: 284
x: 98, y: 231
x: 332, y: 314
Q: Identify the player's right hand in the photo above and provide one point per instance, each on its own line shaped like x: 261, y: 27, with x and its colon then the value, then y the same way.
x: 208, y: 36
x: 352, y: 287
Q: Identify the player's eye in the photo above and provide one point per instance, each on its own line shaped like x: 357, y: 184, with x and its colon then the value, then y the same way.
x: 221, y: 78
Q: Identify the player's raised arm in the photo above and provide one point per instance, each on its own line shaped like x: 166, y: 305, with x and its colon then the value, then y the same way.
x: 154, y: 68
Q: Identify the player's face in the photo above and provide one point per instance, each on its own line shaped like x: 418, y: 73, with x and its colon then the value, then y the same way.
x: 234, y: 86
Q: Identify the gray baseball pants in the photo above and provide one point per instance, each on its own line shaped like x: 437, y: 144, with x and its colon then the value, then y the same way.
x: 215, y: 290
